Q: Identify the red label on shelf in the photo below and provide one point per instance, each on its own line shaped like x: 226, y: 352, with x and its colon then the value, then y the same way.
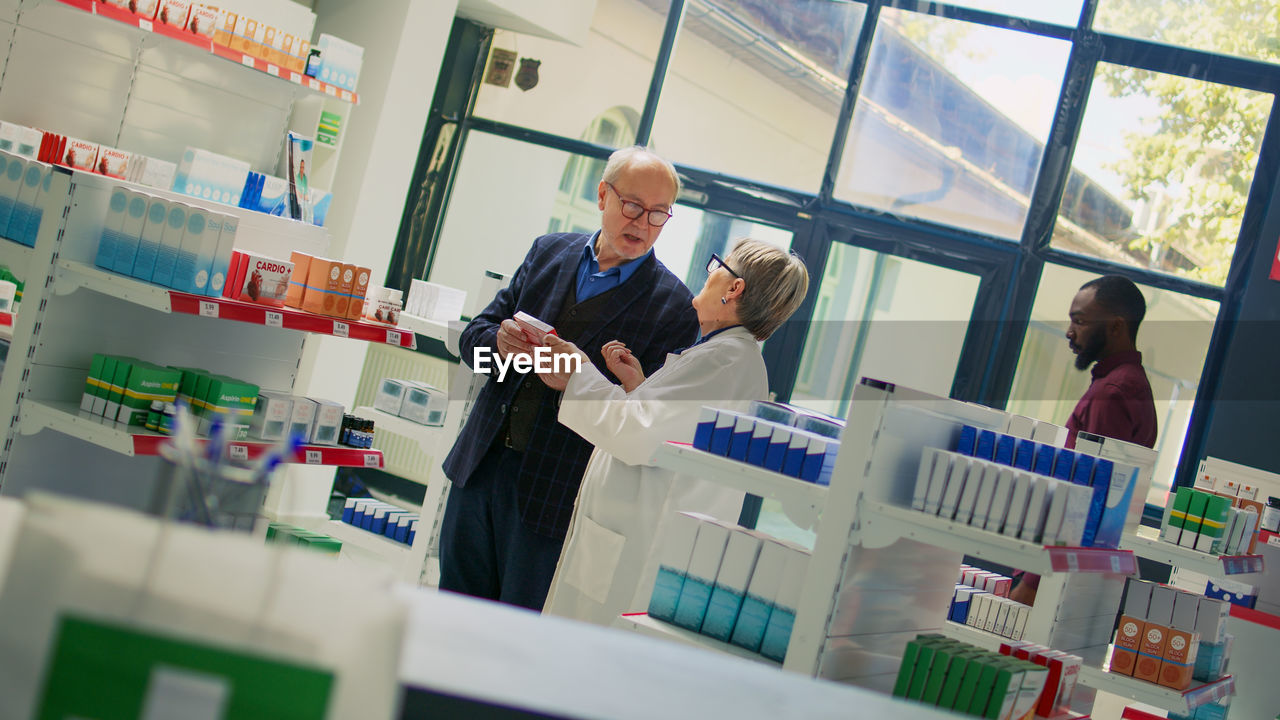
x: 274, y: 319
x: 341, y: 329
x: 1077, y: 559
x: 247, y: 60
x: 208, y: 309
x: 237, y: 451
x: 145, y: 25
x: 273, y: 70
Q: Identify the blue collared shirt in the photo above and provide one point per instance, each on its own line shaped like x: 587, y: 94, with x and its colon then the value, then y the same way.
x: 592, y: 282
x: 703, y: 338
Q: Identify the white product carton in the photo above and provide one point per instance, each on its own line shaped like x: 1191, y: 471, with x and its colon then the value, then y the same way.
x: 1049, y: 434
x: 1018, y: 499
x: 923, y: 476
x: 1160, y: 611
x: 986, y: 491
x: 195, y: 258
x: 340, y: 61
x: 425, y: 404
x: 157, y: 173
x: 677, y: 547
x: 1075, y: 514
x: 80, y: 155
x: 1021, y: 426
x: 778, y: 633
x: 704, y: 564
x: 130, y: 233
x: 111, y: 226
x: 170, y: 244
x: 938, y: 483
x: 1211, y: 620
x: 328, y: 422
x: 304, y: 415
x: 113, y: 162
x: 390, y: 395
x: 730, y: 589
x: 210, y: 176
x: 271, y: 415
x: 229, y: 224
x: 1057, y: 507
x: 979, y: 471
x: 149, y: 242
x: 956, y: 479
x: 1033, y: 521
x: 1000, y: 497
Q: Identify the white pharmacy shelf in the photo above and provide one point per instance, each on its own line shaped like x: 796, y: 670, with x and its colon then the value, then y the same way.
x: 363, y: 542
x: 973, y: 636
x: 884, y: 524
x: 1168, y: 699
x: 1147, y: 544
x: 645, y: 625
x: 67, y: 418
x: 802, y: 501
x: 427, y: 327
x: 427, y: 436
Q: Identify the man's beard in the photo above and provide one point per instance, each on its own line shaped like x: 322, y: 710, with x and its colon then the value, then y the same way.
x: 1090, y: 351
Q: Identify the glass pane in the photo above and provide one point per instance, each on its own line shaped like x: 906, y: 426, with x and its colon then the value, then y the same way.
x: 1246, y: 28
x: 1060, y: 12
x: 885, y: 317
x: 692, y: 234
x: 754, y: 87
x: 1173, y: 339
x: 577, y: 82
x: 1162, y: 172
x: 951, y: 123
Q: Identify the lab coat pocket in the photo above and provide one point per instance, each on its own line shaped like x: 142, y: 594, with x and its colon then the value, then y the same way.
x: 593, y: 559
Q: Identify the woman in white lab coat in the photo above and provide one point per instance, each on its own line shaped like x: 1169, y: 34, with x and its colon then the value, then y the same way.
x: 608, y: 563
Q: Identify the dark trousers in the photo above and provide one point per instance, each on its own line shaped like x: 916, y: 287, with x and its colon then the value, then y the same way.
x: 485, y: 549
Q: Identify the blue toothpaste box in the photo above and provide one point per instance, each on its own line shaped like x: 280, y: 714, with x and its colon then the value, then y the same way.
x: 1024, y: 454
x: 1062, y: 464
x: 1004, y: 449
x: 702, y: 433
x: 722, y: 432
x: 759, y: 446
x: 1045, y: 455
x: 776, y: 456
x: 968, y: 440
x: 986, y: 445
x: 740, y: 440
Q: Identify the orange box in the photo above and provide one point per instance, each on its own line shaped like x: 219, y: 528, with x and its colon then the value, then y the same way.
x: 287, y: 44
x: 246, y: 29
x: 1179, y: 659
x: 323, y: 280
x: 203, y: 20
x: 298, y: 281
x: 1123, y: 661
x: 226, y: 28
x: 267, y: 42
x: 1128, y: 638
x: 359, y: 289
x: 342, y: 306
x: 1151, y: 652
x: 303, y: 51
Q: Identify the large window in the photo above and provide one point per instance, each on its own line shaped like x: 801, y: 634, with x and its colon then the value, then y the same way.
x: 1163, y: 169
x: 951, y: 122
x: 755, y: 87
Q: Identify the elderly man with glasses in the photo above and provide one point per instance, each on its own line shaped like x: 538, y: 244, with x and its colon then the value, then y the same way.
x: 515, y: 469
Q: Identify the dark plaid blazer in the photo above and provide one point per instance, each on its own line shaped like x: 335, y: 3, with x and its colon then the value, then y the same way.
x: 651, y: 312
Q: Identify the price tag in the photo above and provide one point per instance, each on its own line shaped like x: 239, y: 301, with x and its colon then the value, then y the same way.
x: 346, y: 96
x: 208, y: 309
x: 1115, y: 563
x: 341, y: 329
x: 1073, y: 562
x: 247, y: 60
x: 331, y: 90
x: 144, y: 24
x: 273, y: 70
x: 313, y: 84
x: 274, y: 319
x: 1274, y: 541
x: 393, y: 337
x: 312, y: 457
x: 295, y: 77
x: 238, y: 452
x: 372, y: 460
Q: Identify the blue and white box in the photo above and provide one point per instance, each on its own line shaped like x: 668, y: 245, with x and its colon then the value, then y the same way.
x: 37, y: 205
x: 739, y: 562
x: 777, y: 634
x: 819, y: 458
x: 761, y: 434
x: 776, y: 456
x: 766, y: 578
x: 966, y: 444
x: 229, y: 225
x: 340, y: 61
x: 1024, y: 454
x: 112, y: 225
x: 700, y: 578
x: 673, y: 564
x: 1063, y: 463
x: 775, y: 412
x: 740, y: 440
x: 797, y: 448
x: 195, y: 259
x: 135, y: 218
x: 349, y: 510
x: 170, y: 244
x: 1004, y: 449
x: 1123, y: 478
x: 210, y: 176
x: 1037, y: 508
x: 722, y: 432
x: 702, y: 432
x: 144, y: 264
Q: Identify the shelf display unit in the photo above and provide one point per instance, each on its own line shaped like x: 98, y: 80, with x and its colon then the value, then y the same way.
x: 880, y: 573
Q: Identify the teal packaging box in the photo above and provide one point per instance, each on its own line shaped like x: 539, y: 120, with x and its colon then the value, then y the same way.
x: 673, y: 563
x: 704, y: 564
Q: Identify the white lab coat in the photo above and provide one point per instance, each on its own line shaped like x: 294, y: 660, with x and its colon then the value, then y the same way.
x: 608, y: 563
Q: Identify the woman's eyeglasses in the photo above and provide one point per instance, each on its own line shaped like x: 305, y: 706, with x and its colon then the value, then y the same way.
x: 717, y: 262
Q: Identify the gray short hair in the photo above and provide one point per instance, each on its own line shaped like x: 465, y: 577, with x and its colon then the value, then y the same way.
x: 623, y: 158
x: 776, y: 283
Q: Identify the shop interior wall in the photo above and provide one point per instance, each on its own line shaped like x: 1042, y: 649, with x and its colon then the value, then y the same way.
x: 404, y: 42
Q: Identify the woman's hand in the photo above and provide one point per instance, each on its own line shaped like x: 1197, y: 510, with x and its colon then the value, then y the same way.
x: 623, y: 364
x: 562, y: 367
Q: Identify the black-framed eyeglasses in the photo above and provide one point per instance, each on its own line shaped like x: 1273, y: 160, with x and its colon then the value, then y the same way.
x: 718, y: 262
x: 632, y: 210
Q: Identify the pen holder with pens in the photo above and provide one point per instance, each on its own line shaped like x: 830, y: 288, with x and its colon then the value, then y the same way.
x: 203, y: 492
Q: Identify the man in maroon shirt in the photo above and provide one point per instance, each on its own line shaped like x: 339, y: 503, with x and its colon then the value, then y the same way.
x: 1105, y: 315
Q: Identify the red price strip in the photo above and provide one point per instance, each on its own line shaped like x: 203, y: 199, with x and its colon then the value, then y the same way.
x: 1075, y: 559
x: 1206, y: 694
